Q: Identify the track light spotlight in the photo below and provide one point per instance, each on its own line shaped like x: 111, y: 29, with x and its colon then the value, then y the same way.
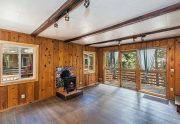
x: 142, y: 37
x: 119, y: 43
x: 134, y: 39
x: 86, y: 3
x: 67, y: 16
x: 55, y: 25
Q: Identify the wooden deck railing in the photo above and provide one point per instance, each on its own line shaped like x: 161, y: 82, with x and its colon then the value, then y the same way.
x: 157, y: 78
x: 109, y: 76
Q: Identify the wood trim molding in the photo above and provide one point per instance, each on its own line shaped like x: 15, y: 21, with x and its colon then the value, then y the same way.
x: 138, y: 35
x: 132, y: 21
x: 68, y: 5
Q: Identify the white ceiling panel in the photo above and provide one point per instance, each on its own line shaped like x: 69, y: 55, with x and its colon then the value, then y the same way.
x: 16, y: 5
x: 26, y: 15
x: 121, y: 32
x: 150, y: 25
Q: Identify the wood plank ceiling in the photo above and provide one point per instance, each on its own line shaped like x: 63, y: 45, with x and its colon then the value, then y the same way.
x: 26, y: 16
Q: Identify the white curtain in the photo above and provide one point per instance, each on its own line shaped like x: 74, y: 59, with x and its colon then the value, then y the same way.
x: 146, y: 59
x: 114, y: 55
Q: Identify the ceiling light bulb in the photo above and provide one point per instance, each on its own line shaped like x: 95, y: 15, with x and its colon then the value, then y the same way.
x: 67, y: 16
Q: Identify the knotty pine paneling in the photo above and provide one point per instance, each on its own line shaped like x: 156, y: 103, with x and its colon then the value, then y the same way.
x: 173, y: 61
x: 52, y: 53
x: 3, y: 97
x: 177, y: 66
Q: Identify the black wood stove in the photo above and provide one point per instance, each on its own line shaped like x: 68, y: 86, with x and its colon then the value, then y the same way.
x: 69, y: 81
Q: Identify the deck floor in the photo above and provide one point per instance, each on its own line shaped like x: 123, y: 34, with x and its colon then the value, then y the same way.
x: 144, y: 87
x: 100, y: 104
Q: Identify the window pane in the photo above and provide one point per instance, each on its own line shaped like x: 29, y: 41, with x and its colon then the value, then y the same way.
x: 129, y: 60
x: 27, y: 62
x: 10, y: 63
x: 159, y: 59
x: 91, y: 62
x: 107, y: 60
x: 88, y: 61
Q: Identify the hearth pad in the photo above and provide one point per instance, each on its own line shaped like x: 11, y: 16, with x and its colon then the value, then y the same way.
x: 63, y: 94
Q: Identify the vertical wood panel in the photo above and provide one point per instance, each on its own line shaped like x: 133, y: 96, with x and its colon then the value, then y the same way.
x: 3, y: 97
x: 12, y: 95
x: 21, y: 91
x: 170, y: 65
x: 30, y: 92
x: 22, y: 38
x: 177, y: 66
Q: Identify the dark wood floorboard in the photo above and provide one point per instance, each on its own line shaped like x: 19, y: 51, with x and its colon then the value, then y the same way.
x: 100, y: 104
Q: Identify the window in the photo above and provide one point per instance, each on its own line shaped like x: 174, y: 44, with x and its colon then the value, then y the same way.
x: 107, y: 59
x: 129, y: 60
x: 89, y: 62
x: 18, y: 61
x: 159, y: 59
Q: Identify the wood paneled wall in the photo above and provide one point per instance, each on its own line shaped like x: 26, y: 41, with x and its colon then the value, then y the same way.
x: 173, y: 61
x: 52, y: 53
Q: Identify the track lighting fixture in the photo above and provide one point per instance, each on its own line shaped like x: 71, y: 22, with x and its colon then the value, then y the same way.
x: 142, y: 37
x: 55, y: 25
x: 67, y: 16
x: 86, y: 3
x: 134, y: 39
x: 119, y: 43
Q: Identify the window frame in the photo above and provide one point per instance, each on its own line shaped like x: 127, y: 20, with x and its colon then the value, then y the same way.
x: 94, y: 57
x: 35, y: 62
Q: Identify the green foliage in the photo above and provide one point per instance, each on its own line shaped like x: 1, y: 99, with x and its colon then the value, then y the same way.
x: 129, y: 60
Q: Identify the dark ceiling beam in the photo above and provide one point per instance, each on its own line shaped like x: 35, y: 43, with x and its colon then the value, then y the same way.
x: 142, y: 41
x: 136, y: 36
x: 132, y: 21
x: 68, y: 5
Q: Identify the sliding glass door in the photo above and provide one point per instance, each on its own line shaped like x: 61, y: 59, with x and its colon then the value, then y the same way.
x: 157, y: 75
x: 112, y: 74
x: 128, y: 69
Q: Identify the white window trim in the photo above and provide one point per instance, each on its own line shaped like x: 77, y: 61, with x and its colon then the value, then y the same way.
x: 89, y: 71
x: 35, y: 61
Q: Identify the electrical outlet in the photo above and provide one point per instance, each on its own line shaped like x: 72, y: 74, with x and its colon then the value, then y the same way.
x: 80, y: 82
x: 172, y: 70
x: 171, y: 89
x: 23, y: 96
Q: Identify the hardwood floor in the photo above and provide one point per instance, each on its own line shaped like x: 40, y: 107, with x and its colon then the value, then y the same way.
x: 100, y: 104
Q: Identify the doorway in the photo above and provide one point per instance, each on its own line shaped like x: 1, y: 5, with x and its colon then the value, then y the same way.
x: 128, y: 69
x: 112, y: 68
